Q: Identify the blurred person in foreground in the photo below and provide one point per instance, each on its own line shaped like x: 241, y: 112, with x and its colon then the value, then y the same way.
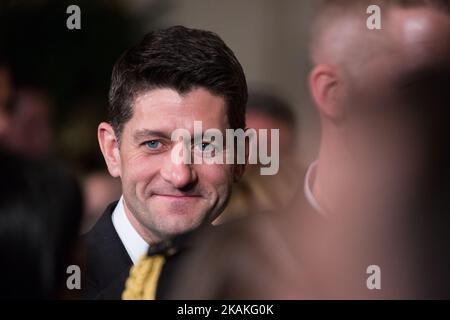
x: 40, y: 213
x: 256, y: 192
x: 377, y: 196
x: 170, y: 79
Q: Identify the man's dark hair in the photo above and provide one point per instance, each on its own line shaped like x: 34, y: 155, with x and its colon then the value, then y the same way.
x: 182, y: 59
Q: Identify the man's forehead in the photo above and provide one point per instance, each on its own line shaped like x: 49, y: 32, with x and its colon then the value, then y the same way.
x: 168, y: 97
x: 165, y: 110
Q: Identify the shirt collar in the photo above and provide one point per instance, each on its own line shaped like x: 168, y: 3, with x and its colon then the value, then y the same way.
x: 135, y: 245
x: 309, y: 177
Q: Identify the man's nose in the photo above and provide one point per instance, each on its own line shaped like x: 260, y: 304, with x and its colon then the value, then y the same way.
x: 179, y: 175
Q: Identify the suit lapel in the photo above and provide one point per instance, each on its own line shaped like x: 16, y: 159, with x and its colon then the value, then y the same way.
x: 107, y: 261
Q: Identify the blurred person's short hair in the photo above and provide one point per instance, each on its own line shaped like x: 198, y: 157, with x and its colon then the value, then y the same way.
x: 325, y: 11
x: 327, y: 7
x: 273, y: 106
x: 182, y: 59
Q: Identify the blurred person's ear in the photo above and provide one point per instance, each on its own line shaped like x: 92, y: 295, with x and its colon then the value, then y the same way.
x: 109, y: 146
x: 326, y: 87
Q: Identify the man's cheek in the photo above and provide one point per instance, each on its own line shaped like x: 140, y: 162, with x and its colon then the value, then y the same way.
x: 216, y: 174
x: 135, y: 179
x: 219, y: 178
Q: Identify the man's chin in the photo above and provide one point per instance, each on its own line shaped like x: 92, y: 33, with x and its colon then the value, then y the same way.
x: 175, y: 223
x: 176, y: 229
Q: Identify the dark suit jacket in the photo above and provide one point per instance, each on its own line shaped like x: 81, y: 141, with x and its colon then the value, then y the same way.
x: 107, y: 261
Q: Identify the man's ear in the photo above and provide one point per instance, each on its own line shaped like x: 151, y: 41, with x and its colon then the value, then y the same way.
x: 326, y: 87
x: 110, y: 148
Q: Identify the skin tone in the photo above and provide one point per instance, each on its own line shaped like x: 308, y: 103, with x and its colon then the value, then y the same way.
x: 164, y: 198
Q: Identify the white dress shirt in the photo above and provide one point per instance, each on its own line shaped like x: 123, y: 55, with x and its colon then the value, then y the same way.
x: 310, y: 175
x: 135, y: 245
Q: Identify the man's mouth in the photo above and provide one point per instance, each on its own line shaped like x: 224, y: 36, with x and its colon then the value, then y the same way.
x: 177, y: 196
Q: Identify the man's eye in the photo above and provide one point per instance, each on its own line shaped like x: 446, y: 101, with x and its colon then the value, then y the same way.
x: 153, y: 144
x: 204, y: 147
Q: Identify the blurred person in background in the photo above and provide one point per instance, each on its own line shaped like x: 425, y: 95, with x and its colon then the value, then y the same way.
x: 256, y: 192
x: 82, y: 152
x: 40, y: 212
x: 377, y: 194
x: 99, y: 189
x: 73, y: 68
x: 30, y: 127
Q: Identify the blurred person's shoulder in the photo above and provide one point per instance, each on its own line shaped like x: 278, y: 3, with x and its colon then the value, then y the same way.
x: 239, y: 259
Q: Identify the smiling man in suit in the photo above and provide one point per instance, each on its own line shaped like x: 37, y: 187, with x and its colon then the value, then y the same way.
x: 172, y: 78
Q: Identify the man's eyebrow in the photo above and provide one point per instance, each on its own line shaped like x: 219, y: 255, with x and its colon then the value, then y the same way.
x: 146, y: 133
